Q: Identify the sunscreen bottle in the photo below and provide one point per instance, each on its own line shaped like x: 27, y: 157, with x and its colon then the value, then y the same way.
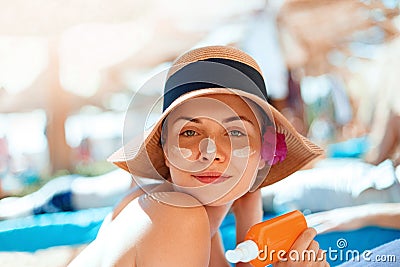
x: 269, y: 241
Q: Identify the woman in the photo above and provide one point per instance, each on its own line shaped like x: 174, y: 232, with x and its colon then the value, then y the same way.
x: 213, y: 148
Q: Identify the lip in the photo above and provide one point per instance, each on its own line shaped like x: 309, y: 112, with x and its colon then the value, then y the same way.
x: 211, y: 177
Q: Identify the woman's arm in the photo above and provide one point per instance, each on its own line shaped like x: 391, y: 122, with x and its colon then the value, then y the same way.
x: 385, y: 215
x: 377, y: 214
x: 217, y: 254
x: 248, y: 211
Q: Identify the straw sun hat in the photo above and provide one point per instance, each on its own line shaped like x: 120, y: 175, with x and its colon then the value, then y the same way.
x: 209, y: 71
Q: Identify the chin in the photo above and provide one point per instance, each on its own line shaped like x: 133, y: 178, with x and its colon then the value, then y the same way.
x: 215, y: 194
x: 226, y: 199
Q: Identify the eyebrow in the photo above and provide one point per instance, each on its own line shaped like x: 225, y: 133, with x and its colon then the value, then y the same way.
x: 227, y: 120
x: 187, y: 119
x: 237, y: 118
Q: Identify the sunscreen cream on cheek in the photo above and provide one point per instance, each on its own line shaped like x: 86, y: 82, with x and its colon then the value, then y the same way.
x: 181, y: 152
x: 243, y: 152
x: 267, y: 242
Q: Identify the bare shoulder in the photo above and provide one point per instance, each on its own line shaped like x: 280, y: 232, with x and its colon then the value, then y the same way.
x: 150, y: 220
x: 134, y: 193
x: 161, y: 195
x: 170, y: 216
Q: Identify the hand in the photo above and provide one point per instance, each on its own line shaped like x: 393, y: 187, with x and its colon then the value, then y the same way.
x: 305, y: 252
x: 341, y: 219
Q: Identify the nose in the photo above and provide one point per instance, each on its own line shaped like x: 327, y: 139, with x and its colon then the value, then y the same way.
x: 209, y: 151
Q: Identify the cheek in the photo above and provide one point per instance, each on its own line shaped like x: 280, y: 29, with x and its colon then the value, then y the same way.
x: 176, y: 151
x: 184, y: 148
x: 244, y: 152
x: 246, y: 148
x: 245, y: 165
x: 178, y: 177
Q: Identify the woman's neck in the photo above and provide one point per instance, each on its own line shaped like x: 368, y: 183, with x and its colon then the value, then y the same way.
x: 216, y: 215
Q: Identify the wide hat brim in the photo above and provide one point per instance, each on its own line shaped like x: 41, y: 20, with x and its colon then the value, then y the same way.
x: 143, y: 156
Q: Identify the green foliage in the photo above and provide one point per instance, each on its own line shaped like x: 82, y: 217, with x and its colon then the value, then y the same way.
x: 94, y: 168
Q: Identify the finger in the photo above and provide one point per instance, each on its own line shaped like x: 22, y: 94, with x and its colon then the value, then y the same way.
x: 304, y: 240
x: 321, y: 257
x: 310, y: 255
x: 314, y: 245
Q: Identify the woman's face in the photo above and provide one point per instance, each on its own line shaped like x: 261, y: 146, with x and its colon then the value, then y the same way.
x: 212, y: 148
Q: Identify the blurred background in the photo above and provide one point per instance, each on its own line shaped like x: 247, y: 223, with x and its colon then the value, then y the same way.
x: 68, y: 71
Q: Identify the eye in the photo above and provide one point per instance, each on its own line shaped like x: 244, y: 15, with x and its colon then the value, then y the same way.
x: 236, y: 133
x: 189, y: 133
